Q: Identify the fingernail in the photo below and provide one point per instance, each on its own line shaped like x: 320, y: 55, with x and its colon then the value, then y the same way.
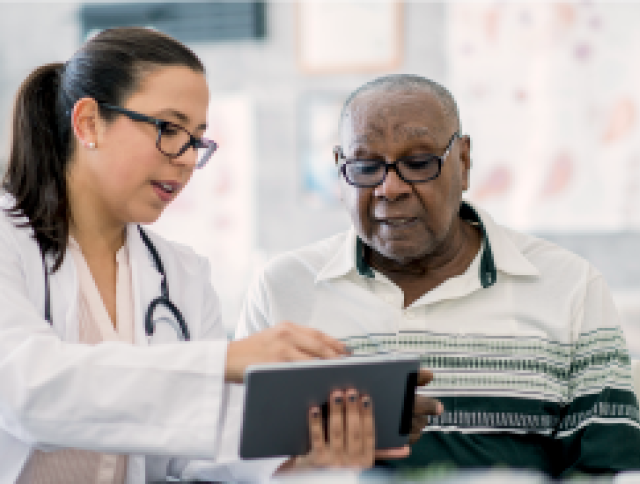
x: 366, y: 402
x: 338, y: 400
x: 352, y: 398
x: 315, y: 412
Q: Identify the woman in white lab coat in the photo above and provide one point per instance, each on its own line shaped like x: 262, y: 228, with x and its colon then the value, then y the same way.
x: 94, y: 375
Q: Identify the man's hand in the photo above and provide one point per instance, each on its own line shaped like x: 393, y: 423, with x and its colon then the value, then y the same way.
x: 423, y: 408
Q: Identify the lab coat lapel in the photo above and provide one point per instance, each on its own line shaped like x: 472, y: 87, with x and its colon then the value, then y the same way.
x: 145, y: 280
x: 64, y: 293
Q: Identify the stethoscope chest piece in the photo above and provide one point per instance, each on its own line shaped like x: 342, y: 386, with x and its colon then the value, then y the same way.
x: 162, y: 310
x: 163, y: 301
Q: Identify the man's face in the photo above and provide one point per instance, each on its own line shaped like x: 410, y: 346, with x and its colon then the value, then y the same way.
x: 403, y: 221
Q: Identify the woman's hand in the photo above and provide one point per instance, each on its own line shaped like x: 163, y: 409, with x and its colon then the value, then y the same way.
x: 349, y: 441
x: 283, y: 342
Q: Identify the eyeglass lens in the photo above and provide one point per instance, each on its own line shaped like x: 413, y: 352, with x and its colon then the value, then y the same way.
x: 372, y: 172
x: 174, y: 141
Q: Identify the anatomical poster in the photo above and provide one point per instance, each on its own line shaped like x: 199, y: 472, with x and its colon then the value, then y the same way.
x: 549, y: 93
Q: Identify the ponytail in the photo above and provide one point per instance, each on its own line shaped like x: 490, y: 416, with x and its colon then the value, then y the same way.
x: 36, y: 175
x: 109, y: 68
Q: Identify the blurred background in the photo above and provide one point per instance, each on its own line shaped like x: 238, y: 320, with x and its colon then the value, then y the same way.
x: 548, y: 91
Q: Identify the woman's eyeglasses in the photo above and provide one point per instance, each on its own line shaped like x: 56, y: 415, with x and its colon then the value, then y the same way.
x: 173, y: 140
x: 411, y: 169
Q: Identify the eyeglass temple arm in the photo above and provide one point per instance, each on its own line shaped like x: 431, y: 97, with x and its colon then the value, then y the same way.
x: 133, y: 115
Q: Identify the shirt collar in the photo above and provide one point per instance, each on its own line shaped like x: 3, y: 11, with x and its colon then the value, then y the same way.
x: 499, y: 252
x: 488, y: 272
x: 344, y: 258
x: 508, y: 256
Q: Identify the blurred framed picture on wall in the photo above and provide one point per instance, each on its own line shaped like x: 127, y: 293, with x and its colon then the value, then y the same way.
x: 319, y: 115
x: 349, y: 36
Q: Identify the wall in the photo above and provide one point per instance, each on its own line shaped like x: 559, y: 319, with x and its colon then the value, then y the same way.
x: 33, y: 34
x: 268, y: 73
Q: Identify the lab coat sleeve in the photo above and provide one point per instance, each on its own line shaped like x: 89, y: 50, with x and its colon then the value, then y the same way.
x: 110, y: 397
x: 228, y: 466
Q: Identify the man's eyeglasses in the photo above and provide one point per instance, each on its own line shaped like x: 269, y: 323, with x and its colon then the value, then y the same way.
x: 411, y: 169
x: 173, y: 140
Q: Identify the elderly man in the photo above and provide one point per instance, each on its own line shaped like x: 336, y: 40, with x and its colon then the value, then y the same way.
x: 529, y: 359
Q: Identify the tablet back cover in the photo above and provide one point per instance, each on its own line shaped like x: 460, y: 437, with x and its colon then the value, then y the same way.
x: 277, y: 403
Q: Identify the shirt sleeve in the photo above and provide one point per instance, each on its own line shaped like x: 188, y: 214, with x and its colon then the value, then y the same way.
x: 599, y: 431
x: 254, y: 316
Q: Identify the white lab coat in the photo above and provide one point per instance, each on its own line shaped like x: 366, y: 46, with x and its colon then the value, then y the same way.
x: 157, y: 398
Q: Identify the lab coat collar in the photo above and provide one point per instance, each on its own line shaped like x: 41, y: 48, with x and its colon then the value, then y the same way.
x: 64, y: 293
x: 145, y: 280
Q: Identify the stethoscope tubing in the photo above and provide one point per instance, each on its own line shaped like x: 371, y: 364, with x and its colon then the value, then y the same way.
x: 162, y: 300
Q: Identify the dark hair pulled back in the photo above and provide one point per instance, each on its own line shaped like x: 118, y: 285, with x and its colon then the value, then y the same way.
x: 109, y: 68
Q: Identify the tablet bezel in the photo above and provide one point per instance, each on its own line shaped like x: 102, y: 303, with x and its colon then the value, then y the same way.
x: 278, y: 396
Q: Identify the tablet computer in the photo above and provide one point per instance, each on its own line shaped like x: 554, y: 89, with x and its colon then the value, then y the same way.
x: 278, y: 398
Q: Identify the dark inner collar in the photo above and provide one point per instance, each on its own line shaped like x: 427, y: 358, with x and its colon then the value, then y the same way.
x: 488, y: 271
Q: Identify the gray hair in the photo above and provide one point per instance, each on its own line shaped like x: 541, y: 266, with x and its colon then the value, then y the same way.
x: 407, y: 83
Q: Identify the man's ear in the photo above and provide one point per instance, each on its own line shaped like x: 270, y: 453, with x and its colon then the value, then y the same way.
x: 465, y: 160
x: 85, y: 121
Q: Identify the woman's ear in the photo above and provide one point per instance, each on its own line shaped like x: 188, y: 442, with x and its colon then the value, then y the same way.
x: 85, y: 120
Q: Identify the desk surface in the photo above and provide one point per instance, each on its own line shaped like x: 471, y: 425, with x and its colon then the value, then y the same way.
x: 497, y: 476
x: 443, y: 476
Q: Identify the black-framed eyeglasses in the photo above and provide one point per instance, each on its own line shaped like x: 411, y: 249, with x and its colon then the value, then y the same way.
x: 364, y: 173
x: 173, y: 140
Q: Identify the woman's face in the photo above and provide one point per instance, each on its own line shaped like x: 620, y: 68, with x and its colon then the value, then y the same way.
x: 125, y: 177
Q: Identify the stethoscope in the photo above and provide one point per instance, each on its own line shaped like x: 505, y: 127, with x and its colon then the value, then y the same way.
x: 162, y: 300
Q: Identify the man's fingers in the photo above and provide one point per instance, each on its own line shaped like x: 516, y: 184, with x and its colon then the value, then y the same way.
x: 418, y: 423
x: 424, y: 407
x: 397, y: 453
x: 427, y: 406
x: 424, y: 377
